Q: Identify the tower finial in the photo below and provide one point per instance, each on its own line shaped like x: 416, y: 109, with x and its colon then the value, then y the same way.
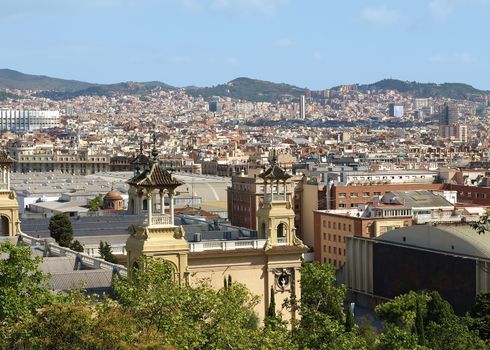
x: 154, y: 151
x: 274, y: 157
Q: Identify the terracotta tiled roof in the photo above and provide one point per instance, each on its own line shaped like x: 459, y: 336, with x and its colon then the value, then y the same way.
x: 156, y: 176
x: 275, y: 172
x: 5, y: 158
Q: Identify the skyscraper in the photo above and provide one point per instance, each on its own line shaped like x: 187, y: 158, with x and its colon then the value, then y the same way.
x: 302, y: 106
x: 448, y: 114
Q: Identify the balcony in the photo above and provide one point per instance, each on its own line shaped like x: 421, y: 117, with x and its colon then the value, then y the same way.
x: 274, y: 197
x: 157, y: 220
x: 227, y: 245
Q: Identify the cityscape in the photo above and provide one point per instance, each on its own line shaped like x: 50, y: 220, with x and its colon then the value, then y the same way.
x: 205, y: 204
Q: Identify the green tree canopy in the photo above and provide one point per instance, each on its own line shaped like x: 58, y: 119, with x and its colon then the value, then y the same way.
x: 61, y: 229
x: 23, y: 287
x: 105, y: 251
x: 96, y: 203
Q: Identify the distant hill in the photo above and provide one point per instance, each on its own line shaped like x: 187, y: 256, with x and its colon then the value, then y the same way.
x: 127, y: 88
x: 249, y: 89
x: 11, y: 79
x: 448, y: 90
x: 6, y: 95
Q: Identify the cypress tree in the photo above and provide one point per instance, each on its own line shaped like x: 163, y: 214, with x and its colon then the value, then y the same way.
x: 349, y: 319
x: 271, y: 311
x: 419, y: 324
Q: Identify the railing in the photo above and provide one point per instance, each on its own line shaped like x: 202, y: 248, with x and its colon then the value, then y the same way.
x: 442, y: 219
x: 53, y: 249
x: 93, y: 250
x: 157, y: 219
x: 282, y: 240
x: 226, y: 245
x: 274, y: 197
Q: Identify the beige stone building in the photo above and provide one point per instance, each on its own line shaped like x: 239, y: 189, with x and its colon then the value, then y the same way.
x: 263, y: 260
x: 9, y: 208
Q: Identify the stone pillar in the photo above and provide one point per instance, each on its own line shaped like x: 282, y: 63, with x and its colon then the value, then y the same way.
x: 171, y: 198
x: 150, y: 208
x: 162, y: 203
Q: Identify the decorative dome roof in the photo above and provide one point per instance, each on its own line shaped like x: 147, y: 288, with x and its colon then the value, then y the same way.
x: 113, y: 196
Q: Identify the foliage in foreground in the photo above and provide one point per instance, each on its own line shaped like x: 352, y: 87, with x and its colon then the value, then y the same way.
x: 151, y: 311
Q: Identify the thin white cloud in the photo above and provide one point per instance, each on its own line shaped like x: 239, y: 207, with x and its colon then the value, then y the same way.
x: 456, y: 57
x: 380, y: 15
x: 284, y: 42
x: 180, y: 59
x: 263, y: 7
x: 441, y: 8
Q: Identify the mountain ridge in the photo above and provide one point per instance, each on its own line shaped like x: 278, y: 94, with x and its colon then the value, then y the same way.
x: 243, y: 88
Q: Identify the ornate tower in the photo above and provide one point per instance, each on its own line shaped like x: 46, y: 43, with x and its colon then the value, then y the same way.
x: 283, y: 249
x: 155, y: 235
x: 9, y: 208
x: 275, y: 215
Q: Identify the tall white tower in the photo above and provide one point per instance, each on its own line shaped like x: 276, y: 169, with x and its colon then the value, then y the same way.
x: 302, y: 106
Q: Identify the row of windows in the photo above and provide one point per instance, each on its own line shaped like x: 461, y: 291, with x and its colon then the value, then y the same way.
x: 356, y: 194
x: 330, y: 236
x: 333, y: 249
x: 335, y: 225
x: 475, y: 194
x: 334, y: 262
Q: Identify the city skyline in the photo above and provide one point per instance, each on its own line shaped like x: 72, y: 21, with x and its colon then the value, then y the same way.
x: 204, y: 43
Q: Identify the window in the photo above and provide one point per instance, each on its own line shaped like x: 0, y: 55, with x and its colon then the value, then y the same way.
x: 365, y: 194
x: 353, y: 194
x: 342, y: 205
x: 329, y: 224
x: 344, y: 252
x: 334, y: 225
x: 350, y: 228
x: 344, y: 226
x: 323, y: 223
x: 335, y: 250
x: 342, y: 195
x: 334, y: 262
x: 324, y: 236
x: 329, y: 249
x: 377, y: 193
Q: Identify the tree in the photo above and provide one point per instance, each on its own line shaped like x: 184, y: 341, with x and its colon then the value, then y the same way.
x: 395, y: 338
x: 419, y: 324
x: 349, y: 319
x: 23, y: 287
x: 322, y: 324
x: 271, y: 311
x: 401, y: 311
x: 96, y: 203
x: 105, y: 252
x: 481, y: 315
x: 77, y: 246
x: 195, y: 316
x: 61, y: 229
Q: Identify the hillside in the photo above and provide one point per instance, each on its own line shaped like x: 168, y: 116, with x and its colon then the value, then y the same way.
x: 249, y: 89
x: 6, y: 95
x: 448, y: 90
x: 11, y: 79
x: 127, y: 88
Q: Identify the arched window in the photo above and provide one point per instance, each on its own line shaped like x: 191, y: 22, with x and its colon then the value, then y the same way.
x: 281, y: 230
x: 145, y: 204
x: 4, y: 226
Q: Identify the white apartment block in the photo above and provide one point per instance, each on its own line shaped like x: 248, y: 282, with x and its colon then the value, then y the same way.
x: 27, y: 120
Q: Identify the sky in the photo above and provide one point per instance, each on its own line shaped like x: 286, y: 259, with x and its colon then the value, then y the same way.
x: 309, y: 43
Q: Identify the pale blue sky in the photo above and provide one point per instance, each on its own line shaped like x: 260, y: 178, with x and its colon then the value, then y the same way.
x: 309, y: 43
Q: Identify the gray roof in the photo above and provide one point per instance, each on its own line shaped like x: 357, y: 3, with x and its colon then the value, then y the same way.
x: 421, y: 199
x: 457, y: 239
